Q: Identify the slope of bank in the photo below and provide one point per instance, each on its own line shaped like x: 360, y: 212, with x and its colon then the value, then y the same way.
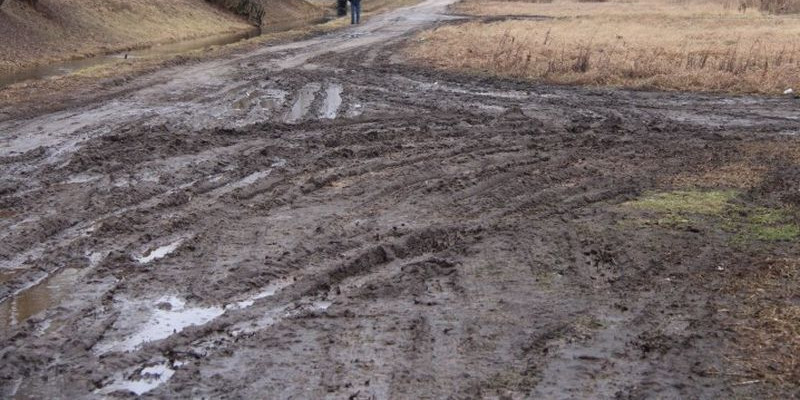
x: 62, y: 29
x: 274, y: 15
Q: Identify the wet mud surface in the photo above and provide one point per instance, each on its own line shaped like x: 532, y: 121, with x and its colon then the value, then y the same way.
x: 173, y: 49
x: 319, y: 220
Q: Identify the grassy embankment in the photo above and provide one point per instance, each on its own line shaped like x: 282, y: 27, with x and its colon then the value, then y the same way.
x: 66, y: 29
x: 706, y: 45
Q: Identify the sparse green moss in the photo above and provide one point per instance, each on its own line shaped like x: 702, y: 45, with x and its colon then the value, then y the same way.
x: 767, y: 216
x: 776, y: 233
x: 715, y: 208
x: 686, y: 202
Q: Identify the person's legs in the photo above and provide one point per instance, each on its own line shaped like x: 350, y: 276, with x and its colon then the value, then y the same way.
x: 358, y: 10
x: 353, y: 17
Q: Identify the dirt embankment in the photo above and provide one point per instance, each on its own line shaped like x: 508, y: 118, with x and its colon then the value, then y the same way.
x: 274, y: 15
x: 49, y: 30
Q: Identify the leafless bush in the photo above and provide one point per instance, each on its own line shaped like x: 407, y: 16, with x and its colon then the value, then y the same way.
x: 780, y: 6
x: 582, y: 60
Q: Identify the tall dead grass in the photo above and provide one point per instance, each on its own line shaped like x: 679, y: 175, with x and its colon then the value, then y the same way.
x: 655, y: 43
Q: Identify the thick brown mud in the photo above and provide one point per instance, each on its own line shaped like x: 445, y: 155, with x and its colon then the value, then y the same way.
x: 318, y: 220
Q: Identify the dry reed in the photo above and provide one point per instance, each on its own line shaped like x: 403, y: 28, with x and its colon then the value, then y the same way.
x: 658, y: 44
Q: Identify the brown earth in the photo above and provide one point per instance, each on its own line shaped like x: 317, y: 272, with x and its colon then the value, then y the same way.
x: 337, y: 224
x: 274, y: 15
x: 63, y: 29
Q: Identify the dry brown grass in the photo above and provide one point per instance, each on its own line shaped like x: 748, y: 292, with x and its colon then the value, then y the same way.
x: 767, y: 322
x: 777, y: 6
x: 740, y: 175
x: 785, y: 151
x: 62, y: 29
x: 753, y: 162
x: 687, y: 45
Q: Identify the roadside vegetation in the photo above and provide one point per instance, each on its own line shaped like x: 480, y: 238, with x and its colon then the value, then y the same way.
x: 704, y: 45
x: 752, y: 207
x: 746, y: 224
x: 767, y: 322
x: 48, y: 30
x: 275, y: 15
x: 765, y: 317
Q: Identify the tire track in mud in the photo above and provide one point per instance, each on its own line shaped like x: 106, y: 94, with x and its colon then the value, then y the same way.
x: 454, y: 236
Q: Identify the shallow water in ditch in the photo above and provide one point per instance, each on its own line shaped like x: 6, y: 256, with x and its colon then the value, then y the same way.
x: 67, y: 67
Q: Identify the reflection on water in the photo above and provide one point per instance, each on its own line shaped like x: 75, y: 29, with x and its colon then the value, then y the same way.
x: 38, y: 298
x: 333, y: 100
x: 68, y: 67
x: 305, y: 98
x: 190, y: 45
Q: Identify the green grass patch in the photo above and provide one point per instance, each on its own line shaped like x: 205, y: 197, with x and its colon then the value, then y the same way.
x: 767, y: 216
x: 716, y: 209
x: 686, y: 202
x: 776, y: 233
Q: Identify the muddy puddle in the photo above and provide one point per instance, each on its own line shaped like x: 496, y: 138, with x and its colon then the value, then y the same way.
x: 166, y: 316
x: 146, y: 380
x: 305, y: 97
x: 152, y: 320
x: 159, y: 252
x: 332, y: 102
x: 171, y: 49
x: 39, y: 297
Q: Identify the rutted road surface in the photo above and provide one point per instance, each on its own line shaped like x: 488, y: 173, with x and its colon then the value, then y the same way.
x: 319, y: 220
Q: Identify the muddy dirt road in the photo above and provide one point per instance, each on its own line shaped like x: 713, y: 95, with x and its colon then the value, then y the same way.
x: 320, y: 220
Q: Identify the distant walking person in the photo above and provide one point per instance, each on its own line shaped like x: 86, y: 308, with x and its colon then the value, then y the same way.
x: 355, y: 12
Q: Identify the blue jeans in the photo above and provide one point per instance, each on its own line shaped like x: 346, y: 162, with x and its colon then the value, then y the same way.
x: 355, y: 12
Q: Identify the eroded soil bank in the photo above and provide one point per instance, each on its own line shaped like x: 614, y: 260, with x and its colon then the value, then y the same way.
x: 319, y: 220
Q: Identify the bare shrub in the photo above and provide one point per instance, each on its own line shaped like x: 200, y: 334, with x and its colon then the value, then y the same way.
x: 780, y: 6
x: 582, y: 60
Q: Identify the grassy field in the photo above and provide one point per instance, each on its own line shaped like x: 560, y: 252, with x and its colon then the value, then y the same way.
x: 707, y: 45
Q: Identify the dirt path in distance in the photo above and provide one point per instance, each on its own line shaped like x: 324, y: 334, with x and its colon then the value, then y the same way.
x: 319, y: 220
